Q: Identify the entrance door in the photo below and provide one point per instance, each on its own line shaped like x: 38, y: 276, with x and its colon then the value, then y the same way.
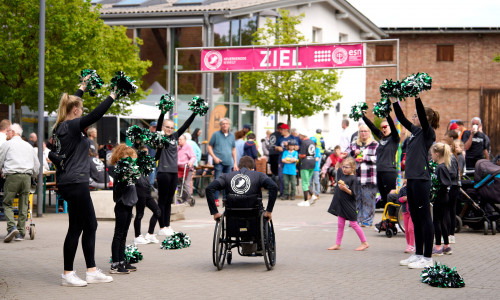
x: 247, y: 117
x: 490, y: 114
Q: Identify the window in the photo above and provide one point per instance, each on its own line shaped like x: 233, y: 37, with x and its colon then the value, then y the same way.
x: 130, y: 3
x: 317, y: 35
x: 383, y: 52
x: 343, y: 37
x: 445, y: 52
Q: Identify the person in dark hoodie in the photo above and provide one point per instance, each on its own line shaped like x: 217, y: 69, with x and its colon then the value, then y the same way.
x: 250, y: 149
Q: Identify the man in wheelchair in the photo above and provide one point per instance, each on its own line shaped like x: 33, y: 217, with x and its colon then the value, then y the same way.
x: 244, y: 189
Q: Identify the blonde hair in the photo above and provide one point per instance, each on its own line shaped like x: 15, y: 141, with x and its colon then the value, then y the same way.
x: 370, y: 138
x: 351, y: 162
x: 444, y: 151
x: 122, y: 151
x: 66, y: 105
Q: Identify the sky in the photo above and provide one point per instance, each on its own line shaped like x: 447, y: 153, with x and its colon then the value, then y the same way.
x: 430, y: 13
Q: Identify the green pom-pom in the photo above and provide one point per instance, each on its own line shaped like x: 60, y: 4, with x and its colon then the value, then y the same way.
x: 435, y: 184
x: 442, y: 276
x: 426, y: 81
x: 198, y: 105
x: 357, y: 111
x: 414, y: 84
x: 93, y: 83
x: 382, y: 108
x: 136, y: 134
x: 178, y: 240
x: 391, y: 88
x: 167, y: 102
x: 127, y: 171
x: 158, y: 140
x: 124, y: 84
x: 132, y: 254
x: 145, y: 162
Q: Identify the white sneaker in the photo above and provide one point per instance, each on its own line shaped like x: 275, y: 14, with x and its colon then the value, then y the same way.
x: 151, y: 238
x: 72, y: 280
x: 162, y: 231
x: 169, y: 231
x: 313, y: 199
x: 409, y: 260
x: 304, y: 203
x: 140, y: 240
x: 451, y: 239
x: 421, y: 263
x: 98, y: 277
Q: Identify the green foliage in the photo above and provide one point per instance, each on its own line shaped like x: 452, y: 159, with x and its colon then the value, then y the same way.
x: 293, y: 93
x: 497, y: 58
x: 75, y: 39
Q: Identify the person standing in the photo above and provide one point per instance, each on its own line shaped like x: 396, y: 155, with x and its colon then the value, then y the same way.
x: 307, y: 154
x: 265, y: 144
x: 345, y: 136
x: 168, y: 169
x: 239, y: 144
x: 320, y: 141
x: 4, y: 126
x: 185, y: 159
x: 281, y: 146
x: 18, y: 163
x: 289, y: 159
x: 92, y: 135
x: 476, y: 144
x: 274, y: 154
x: 222, y: 149
x: 70, y: 153
x: 152, y: 153
x: 315, y: 178
x: 387, y: 172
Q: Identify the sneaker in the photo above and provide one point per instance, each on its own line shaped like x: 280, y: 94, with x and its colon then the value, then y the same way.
x: 118, y: 269
x: 71, y: 279
x: 140, y: 240
x: 437, y: 252
x: 421, y: 263
x: 151, y: 238
x: 304, y: 203
x: 11, y: 234
x: 98, y: 277
x: 19, y: 237
x: 163, y: 231
x: 447, y: 250
x: 169, y: 231
x: 129, y: 267
x: 409, y: 260
x: 313, y: 199
x: 284, y: 197
x: 292, y: 197
x: 451, y: 239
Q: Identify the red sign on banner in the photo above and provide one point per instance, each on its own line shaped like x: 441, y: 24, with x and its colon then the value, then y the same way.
x: 282, y: 58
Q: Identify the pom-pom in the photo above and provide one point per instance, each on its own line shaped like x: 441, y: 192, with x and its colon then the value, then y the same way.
x: 357, y: 111
x: 124, y: 84
x: 127, y: 171
x: 132, y: 254
x: 442, y: 276
x: 158, y: 140
x: 167, y: 102
x: 382, y: 108
x: 414, y: 84
x: 391, y: 88
x: 178, y: 240
x: 94, y: 82
x: 435, y: 184
x: 198, y: 105
x: 145, y: 162
x: 136, y: 134
x: 426, y: 81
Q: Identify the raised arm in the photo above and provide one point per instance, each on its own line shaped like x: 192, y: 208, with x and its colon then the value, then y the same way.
x: 373, y: 128
x: 422, y: 117
x: 186, y: 125
x: 394, y: 130
x: 401, y: 116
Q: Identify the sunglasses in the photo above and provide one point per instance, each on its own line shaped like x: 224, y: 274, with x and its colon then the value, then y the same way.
x: 384, y: 127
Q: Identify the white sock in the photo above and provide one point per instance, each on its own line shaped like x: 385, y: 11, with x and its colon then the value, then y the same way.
x: 419, y: 256
x: 428, y: 258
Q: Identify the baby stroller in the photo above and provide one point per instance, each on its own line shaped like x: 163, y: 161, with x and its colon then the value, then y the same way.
x: 181, y: 174
x: 392, y: 216
x: 480, y: 199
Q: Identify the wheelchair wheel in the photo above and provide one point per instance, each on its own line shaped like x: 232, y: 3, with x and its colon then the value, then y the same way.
x: 220, y: 244
x: 485, y: 227
x: 32, y: 231
x: 493, y: 227
x: 229, y: 257
x: 200, y: 190
x: 217, y: 224
x: 388, y: 232
x: 401, y: 222
x: 458, y: 224
x: 268, y: 242
x: 192, y: 202
x: 324, y: 184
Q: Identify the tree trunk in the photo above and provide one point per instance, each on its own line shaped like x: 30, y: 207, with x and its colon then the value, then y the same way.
x: 289, y: 120
x: 18, y: 113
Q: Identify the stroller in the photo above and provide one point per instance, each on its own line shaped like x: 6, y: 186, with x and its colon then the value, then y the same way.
x: 181, y: 174
x: 392, y: 216
x: 480, y: 199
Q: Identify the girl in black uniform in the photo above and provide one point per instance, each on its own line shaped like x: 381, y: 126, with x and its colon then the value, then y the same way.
x: 387, y: 173
x: 73, y: 176
x: 425, y: 120
x: 441, y: 153
x: 167, y: 170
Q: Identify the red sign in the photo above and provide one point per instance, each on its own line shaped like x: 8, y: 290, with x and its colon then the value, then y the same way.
x: 282, y: 58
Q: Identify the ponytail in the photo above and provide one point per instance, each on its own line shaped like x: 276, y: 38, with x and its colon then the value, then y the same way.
x: 444, y: 151
x: 432, y: 117
x: 66, y: 105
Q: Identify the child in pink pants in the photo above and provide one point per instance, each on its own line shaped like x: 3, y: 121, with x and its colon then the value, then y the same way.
x: 409, y: 232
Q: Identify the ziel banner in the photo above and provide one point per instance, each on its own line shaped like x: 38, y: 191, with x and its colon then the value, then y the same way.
x: 282, y: 58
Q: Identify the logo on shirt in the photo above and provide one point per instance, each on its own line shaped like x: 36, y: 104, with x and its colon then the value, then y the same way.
x: 311, y: 149
x: 240, y: 184
x: 382, y: 142
x: 272, y: 140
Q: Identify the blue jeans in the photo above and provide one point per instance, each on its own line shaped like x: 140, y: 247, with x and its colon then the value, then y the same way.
x: 366, y: 204
x: 218, y: 170
x: 152, y: 177
x: 314, y: 182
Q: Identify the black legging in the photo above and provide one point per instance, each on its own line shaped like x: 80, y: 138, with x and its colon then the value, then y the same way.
x: 274, y: 160
x: 386, y: 181
x: 441, y: 217
x: 139, y: 213
x: 123, y: 217
x: 420, y: 211
x: 82, y: 218
x: 452, y: 201
x: 167, y: 183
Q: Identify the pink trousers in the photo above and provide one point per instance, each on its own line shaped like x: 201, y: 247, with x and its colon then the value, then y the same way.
x: 354, y: 225
x: 409, y: 232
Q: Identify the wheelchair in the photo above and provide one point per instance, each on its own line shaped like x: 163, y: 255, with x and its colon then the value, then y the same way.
x: 243, y: 226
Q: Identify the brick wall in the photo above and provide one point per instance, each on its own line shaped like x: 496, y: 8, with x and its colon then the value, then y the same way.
x: 456, y: 85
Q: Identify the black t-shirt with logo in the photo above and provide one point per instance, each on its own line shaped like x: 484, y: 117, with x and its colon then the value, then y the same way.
x: 309, y: 149
x: 273, y: 140
x: 97, y: 170
x: 479, y: 144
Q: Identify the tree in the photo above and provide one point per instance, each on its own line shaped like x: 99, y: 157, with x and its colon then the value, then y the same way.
x: 75, y: 39
x: 294, y: 93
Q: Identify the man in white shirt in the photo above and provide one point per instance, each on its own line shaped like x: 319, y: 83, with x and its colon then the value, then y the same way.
x: 19, y: 163
x: 345, y: 136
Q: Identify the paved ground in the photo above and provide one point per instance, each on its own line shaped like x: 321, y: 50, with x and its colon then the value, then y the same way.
x: 305, y: 269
